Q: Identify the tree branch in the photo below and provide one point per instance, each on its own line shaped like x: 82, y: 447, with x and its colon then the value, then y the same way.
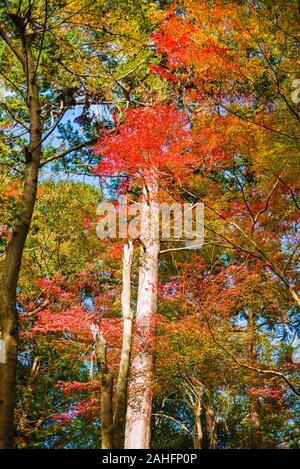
x: 12, y: 47
x: 66, y: 152
x: 173, y: 420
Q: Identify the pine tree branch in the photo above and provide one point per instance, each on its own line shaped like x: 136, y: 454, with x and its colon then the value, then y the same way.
x: 66, y: 152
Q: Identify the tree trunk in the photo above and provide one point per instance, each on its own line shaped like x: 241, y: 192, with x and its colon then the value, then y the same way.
x: 138, y: 418
x: 255, y: 437
x: 198, y: 432
x: 255, y: 440
x: 106, y: 381
x: 212, y: 441
x: 121, y: 395
x: 8, y: 314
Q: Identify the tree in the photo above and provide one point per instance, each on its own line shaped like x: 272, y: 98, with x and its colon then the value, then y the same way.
x: 151, y: 142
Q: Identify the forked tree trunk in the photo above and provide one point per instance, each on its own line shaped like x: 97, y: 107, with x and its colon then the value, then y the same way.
x: 9, y: 323
x: 192, y: 394
x: 138, y: 418
x: 121, y: 394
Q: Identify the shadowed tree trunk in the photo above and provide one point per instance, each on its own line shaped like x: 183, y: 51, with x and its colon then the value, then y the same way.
x: 255, y: 440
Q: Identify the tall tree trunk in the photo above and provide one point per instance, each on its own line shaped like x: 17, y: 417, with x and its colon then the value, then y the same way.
x: 121, y: 395
x: 138, y: 418
x: 8, y: 314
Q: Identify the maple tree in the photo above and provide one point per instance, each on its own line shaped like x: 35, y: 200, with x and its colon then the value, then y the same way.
x: 151, y: 143
x: 245, y: 134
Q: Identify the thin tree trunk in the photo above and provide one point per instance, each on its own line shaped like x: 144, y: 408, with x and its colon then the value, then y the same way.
x: 106, y: 381
x: 8, y: 314
x: 138, y: 418
x: 121, y: 395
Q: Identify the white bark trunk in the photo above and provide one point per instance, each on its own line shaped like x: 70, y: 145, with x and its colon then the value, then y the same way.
x: 138, y: 419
